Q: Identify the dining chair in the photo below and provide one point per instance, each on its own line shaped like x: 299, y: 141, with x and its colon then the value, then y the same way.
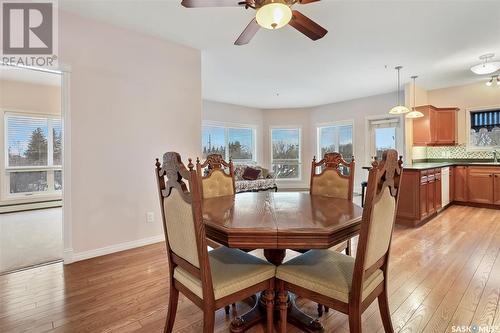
x: 344, y: 283
x: 333, y: 177
x: 211, y: 280
x: 219, y: 180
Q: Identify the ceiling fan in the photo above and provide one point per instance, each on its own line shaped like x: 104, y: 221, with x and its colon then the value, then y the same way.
x: 270, y: 14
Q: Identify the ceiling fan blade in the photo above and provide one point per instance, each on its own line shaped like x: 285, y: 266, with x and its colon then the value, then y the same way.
x: 307, y: 26
x: 248, y: 33
x: 212, y: 3
x: 305, y: 2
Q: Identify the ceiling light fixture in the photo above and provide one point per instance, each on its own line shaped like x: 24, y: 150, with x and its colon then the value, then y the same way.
x: 274, y: 14
x: 414, y: 113
x: 487, y: 67
x: 399, y: 109
x: 493, y: 79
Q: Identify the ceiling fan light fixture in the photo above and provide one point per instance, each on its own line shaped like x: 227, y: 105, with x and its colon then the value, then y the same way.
x: 487, y: 67
x: 274, y: 14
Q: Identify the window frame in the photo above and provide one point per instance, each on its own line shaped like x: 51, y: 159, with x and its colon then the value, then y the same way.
x: 50, y: 168
x: 339, y: 123
x: 370, y: 137
x: 299, y: 163
x: 226, y: 126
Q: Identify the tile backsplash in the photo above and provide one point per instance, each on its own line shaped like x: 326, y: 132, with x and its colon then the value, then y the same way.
x: 449, y: 152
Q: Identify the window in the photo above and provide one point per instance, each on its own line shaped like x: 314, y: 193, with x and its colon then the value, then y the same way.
x: 33, y: 154
x: 385, y: 134
x: 285, y: 157
x: 385, y: 138
x: 231, y: 142
x: 335, y: 138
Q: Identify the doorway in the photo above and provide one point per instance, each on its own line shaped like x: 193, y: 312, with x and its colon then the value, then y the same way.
x: 31, y: 168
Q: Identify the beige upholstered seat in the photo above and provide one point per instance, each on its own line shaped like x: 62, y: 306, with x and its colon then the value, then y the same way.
x: 326, y: 272
x: 330, y: 184
x: 232, y: 270
x: 217, y: 184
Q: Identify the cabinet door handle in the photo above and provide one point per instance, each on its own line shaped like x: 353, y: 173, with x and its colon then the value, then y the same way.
x: 490, y: 175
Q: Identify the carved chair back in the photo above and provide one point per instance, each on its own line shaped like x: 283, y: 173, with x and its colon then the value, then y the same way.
x: 182, y: 217
x: 220, y: 178
x: 379, y: 215
x: 330, y: 181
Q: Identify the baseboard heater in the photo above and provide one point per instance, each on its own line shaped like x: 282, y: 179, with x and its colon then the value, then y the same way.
x: 21, y: 207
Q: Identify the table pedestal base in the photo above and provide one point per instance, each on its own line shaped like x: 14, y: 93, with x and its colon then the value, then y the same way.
x: 258, y: 313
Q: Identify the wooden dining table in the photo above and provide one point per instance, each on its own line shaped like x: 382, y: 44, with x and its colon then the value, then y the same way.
x: 275, y: 222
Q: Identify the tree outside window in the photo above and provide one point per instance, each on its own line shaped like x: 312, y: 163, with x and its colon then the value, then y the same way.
x: 286, y: 152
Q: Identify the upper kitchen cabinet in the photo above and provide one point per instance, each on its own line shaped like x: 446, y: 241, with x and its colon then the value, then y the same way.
x: 438, y: 126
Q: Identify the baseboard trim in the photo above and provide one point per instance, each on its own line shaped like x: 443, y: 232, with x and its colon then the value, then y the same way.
x: 71, y: 257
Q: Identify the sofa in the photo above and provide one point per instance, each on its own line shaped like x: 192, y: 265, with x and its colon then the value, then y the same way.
x: 265, y: 181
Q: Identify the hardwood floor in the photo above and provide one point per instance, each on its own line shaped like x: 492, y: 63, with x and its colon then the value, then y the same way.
x: 444, y: 273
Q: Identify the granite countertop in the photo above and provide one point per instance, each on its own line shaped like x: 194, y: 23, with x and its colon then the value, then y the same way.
x: 432, y: 165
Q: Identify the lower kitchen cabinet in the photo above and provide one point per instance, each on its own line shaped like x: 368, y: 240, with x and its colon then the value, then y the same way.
x: 496, y: 188
x: 421, y: 195
x: 484, y: 185
x: 480, y: 189
x: 420, y: 198
x: 460, y: 182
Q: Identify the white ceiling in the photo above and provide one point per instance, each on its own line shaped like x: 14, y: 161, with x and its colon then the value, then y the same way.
x: 30, y: 76
x: 437, y: 40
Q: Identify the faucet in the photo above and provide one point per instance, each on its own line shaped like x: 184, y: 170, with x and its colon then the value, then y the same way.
x: 495, y: 156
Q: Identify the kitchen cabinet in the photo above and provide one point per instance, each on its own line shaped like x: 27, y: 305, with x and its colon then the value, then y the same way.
x: 452, y: 184
x: 496, y: 188
x: 420, y: 198
x: 480, y: 189
x: 421, y: 195
x: 431, y: 192
x: 484, y: 185
x: 460, y: 181
x: 438, y: 126
x: 437, y: 200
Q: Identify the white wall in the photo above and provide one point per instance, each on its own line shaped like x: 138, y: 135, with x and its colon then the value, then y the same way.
x: 132, y: 98
x: 236, y: 114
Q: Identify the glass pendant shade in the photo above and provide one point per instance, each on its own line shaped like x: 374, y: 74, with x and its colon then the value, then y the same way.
x: 274, y: 15
x: 399, y: 109
x: 414, y: 114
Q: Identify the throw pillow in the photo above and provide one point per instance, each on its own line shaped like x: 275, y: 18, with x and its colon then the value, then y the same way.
x: 251, y: 174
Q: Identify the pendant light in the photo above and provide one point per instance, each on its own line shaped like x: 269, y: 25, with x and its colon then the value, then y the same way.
x: 414, y: 113
x: 399, y: 109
